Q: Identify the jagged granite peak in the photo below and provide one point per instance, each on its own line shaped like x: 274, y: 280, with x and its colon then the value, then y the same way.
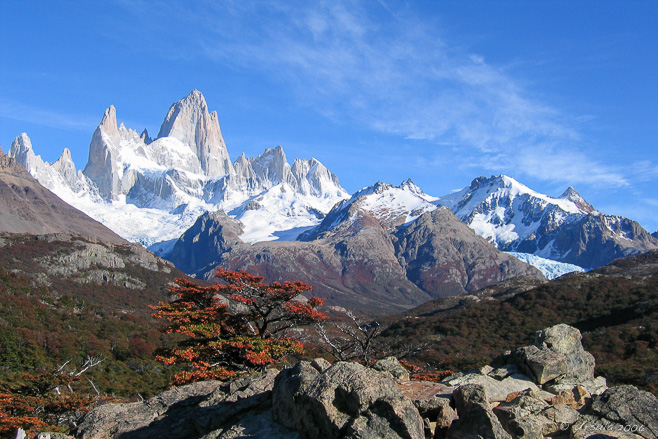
x: 243, y: 168
x: 572, y: 195
x: 567, y: 229
x: 60, y: 176
x: 145, y: 137
x: 21, y: 150
x: 66, y: 168
x: 102, y: 165
x: 188, y: 121
x: 272, y: 166
x: 150, y: 191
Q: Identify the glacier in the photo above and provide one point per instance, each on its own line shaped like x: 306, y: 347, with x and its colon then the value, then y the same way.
x: 549, y: 268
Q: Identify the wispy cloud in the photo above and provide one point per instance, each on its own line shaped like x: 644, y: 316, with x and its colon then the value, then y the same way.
x: 393, y: 71
x: 46, y: 117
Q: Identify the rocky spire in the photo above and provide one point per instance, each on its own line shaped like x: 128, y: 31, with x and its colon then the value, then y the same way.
x: 573, y: 196
x: 188, y: 120
x: 102, y: 166
x: 66, y: 168
x: 272, y: 166
x: 21, y: 150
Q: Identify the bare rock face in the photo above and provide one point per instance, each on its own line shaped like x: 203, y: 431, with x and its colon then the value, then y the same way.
x: 444, y: 257
x: 392, y: 366
x: 103, y: 163
x: 476, y: 419
x: 212, y: 234
x: 626, y: 406
x: 345, y: 401
x: 188, y: 120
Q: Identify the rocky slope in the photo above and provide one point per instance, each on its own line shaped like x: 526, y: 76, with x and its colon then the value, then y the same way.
x: 150, y: 191
x: 65, y: 298
x: 547, y: 389
x: 387, y: 248
x: 27, y: 207
x: 567, y: 228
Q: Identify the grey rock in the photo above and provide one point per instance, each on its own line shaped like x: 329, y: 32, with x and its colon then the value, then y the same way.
x: 258, y: 425
x: 346, y: 400
x: 528, y: 416
x: 168, y: 414
x: 392, y: 365
x: 595, y: 386
x: 191, y: 411
x: 593, y: 427
x: 566, y: 340
x: 476, y: 419
x: 290, y: 388
x: 556, y: 356
x: 496, y: 390
x: 320, y: 364
x: 628, y: 406
x: 545, y: 365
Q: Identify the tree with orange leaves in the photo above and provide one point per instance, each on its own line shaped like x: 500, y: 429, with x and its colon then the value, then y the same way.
x: 220, y: 342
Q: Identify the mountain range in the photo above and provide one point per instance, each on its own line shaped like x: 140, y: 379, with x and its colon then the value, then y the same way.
x: 150, y: 191
x: 384, y: 248
x: 568, y: 229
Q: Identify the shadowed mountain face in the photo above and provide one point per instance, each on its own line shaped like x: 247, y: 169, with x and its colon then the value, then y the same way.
x: 386, y: 249
x: 28, y: 207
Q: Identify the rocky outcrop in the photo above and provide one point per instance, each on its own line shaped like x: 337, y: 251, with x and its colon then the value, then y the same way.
x: 556, y: 360
x: 348, y: 400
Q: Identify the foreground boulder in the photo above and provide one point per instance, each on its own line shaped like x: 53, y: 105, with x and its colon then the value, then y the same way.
x: 347, y: 400
x: 525, y: 393
x: 240, y: 408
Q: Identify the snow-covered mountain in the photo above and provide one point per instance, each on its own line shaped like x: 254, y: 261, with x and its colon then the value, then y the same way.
x: 386, y: 248
x: 392, y: 206
x: 567, y: 229
x: 151, y: 191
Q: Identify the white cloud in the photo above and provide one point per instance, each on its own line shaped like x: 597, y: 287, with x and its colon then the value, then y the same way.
x: 395, y: 73
x: 46, y: 117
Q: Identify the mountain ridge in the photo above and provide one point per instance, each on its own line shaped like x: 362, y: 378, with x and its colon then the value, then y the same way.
x: 567, y: 229
x: 365, y: 254
x: 167, y: 182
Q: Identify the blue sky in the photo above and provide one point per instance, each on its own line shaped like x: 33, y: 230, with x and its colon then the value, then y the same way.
x: 554, y: 94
